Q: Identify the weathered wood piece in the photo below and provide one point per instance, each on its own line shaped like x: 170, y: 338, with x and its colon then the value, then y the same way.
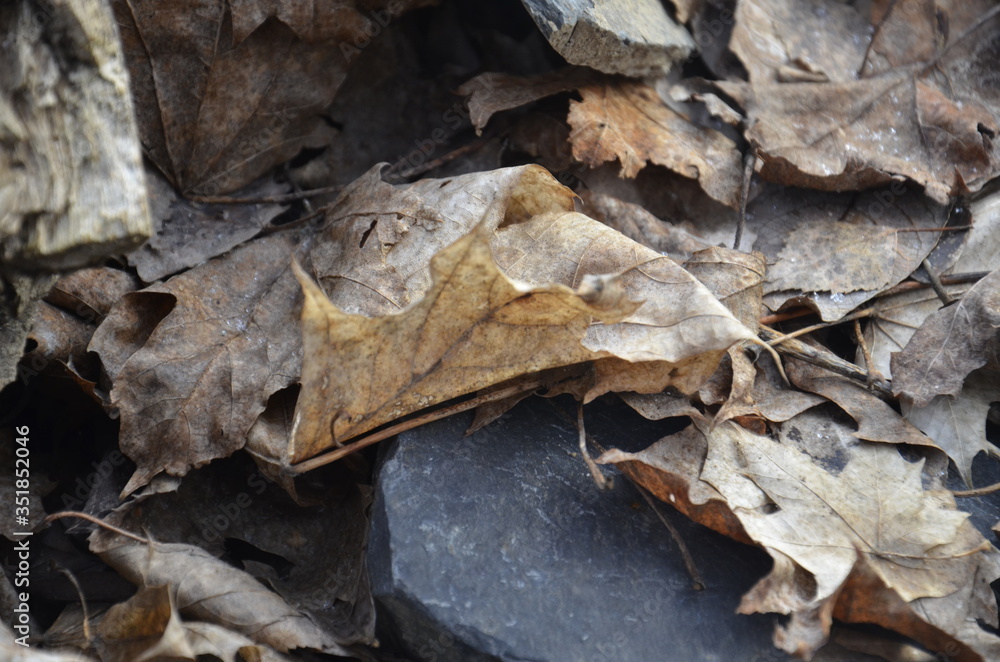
x: 630, y: 37
x: 72, y: 189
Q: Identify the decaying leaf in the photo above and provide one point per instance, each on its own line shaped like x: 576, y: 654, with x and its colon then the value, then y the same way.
x: 226, y: 91
x: 826, y: 529
x: 207, y: 589
x: 186, y: 234
x: 492, y: 93
x: 842, y: 114
x: 843, y: 248
x: 951, y: 343
x: 486, y: 319
x: 628, y: 121
x: 214, y: 335
x: 958, y: 424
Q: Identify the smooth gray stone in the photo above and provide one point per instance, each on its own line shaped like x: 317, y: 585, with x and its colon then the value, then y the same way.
x: 499, y: 546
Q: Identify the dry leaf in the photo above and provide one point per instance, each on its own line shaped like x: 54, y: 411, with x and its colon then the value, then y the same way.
x: 476, y: 327
x: 958, y: 424
x: 186, y: 234
x: 492, y: 93
x: 892, y: 114
x: 226, y: 91
x: 325, y: 579
x: 795, y: 41
x: 821, y: 528
x: 791, y: 231
x: 877, y: 421
x: 207, y: 589
x: 628, y: 121
x: 951, y: 343
x: 194, y: 360
x: 639, y: 225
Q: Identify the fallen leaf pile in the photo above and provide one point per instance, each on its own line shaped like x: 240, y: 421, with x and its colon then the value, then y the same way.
x: 794, y: 253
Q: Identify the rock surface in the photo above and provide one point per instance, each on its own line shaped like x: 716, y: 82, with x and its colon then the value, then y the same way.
x: 628, y: 37
x: 499, y: 546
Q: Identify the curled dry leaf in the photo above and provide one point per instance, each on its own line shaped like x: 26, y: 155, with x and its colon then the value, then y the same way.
x: 207, y: 589
x: 628, y: 121
x: 827, y: 532
x: 193, y: 360
x: 488, y: 315
x: 491, y: 93
x: 951, y: 343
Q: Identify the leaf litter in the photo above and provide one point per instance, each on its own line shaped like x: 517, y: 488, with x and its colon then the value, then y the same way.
x: 863, y: 131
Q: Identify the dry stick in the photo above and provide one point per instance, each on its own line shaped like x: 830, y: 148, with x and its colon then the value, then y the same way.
x: 935, y: 279
x: 83, y: 602
x: 595, y: 472
x: 692, y: 569
x: 867, y: 312
x: 90, y: 518
x: 979, y: 491
x: 269, y: 199
x: 435, y: 163
x: 873, y: 373
x: 828, y: 361
x: 674, y: 533
x: 437, y: 414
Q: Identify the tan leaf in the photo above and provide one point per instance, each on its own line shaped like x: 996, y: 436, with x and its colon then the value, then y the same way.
x: 958, y: 424
x: 476, y: 326
x: 951, y: 343
x: 629, y: 122
x: 877, y: 421
x: 207, y: 589
x: 831, y: 524
x: 874, y: 508
x: 491, y: 93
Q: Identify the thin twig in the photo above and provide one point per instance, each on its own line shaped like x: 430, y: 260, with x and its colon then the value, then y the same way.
x: 68, y: 574
x: 867, y: 312
x: 828, y: 361
x: 437, y: 414
x: 90, y: 518
x: 935, y: 279
x: 595, y: 472
x: 979, y: 491
x: 468, y: 148
x: 699, y: 583
x: 267, y: 199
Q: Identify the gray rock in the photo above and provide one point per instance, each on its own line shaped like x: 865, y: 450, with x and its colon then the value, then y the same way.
x: 628, y: 37
x: 499, y: 546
